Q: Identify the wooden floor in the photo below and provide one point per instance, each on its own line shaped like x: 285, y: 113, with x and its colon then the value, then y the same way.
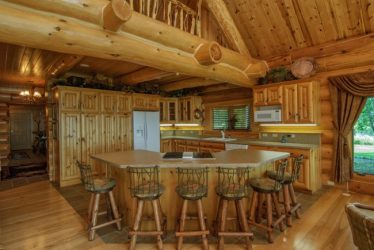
x: 36, y: 216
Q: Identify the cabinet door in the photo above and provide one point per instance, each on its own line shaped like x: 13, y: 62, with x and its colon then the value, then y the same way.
x: 289, y: 107
x: 89, y: 101
x: 108, y: 133
x: 192, y: 149
x: 91, y: 135
x: 69, y: 100
x: 123, y: 103
x: 165, y: 146
x: 108, y: 103
x: 259, y: 97
x: 182, y: 110
x: 153, y: 102
x: 172, y: 111
x: 123, y: 132
x: 274, y: 95
x: 305, y: 102
x: 163, y: 111
x: 139, y: 102
x: 70, y: 145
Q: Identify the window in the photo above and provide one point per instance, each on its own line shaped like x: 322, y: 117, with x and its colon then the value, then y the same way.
x: 231, y: 117
x: 363, y: 140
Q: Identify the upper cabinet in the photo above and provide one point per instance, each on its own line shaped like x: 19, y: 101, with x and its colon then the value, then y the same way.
x: 299, y: 101
x: 145, y: 102
x: 168, y: 110
x: 187, y: 109
x: 264, y: 96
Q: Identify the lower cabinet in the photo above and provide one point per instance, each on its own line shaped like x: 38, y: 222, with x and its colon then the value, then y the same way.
x: 310, y: 174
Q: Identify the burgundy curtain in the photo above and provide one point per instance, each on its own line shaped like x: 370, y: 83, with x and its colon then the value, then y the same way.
x: 348, y: 98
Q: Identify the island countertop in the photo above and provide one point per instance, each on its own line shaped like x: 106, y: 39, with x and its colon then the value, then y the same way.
x: 233, y: 158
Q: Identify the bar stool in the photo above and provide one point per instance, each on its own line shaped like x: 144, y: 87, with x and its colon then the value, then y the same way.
x: 231, y: 187
x: 266, y: 189
x: 97, y: 187
x: 292, y: 206
x: 192, y: 186
x: 145, y: 186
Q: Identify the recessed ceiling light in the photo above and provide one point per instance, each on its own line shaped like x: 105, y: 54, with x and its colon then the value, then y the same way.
x: 84, y: 65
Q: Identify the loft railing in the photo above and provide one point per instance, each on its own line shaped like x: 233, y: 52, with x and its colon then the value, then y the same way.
x: 172, y: 12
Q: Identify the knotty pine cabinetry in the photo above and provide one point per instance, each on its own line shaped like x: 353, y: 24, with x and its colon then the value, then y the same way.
x: 264, y: 96
x: 145, y: 102
x: 89, y: 122
x: 299, y: 101
x: 181, y: 145
x: 310, y: 171
x: 168, y: 110
x: 187, y: 107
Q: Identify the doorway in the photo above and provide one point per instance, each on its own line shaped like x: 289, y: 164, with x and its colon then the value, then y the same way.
x: 20, y: 130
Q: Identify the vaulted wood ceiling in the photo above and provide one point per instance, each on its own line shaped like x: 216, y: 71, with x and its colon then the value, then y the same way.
x: 269, y: 28
x: 276, y: 27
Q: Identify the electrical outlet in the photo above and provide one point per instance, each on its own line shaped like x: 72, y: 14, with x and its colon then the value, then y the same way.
x: 264, y: 135
x: 274, y: 135
x: 293, y: 135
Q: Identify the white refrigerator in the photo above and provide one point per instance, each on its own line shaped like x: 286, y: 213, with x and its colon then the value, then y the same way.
x: 146, y: 130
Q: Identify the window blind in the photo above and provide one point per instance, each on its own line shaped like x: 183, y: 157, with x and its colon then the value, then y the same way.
x: 231, y: 117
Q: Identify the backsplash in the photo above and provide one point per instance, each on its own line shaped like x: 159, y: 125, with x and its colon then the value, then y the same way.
x: 292, y: 138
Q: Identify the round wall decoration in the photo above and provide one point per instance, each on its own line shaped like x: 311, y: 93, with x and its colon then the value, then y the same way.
x: 304, y: 67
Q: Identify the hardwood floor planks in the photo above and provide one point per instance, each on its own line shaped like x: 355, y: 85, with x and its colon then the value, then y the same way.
x: 36, y: 216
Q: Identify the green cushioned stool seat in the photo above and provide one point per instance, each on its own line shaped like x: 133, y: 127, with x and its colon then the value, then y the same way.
x: 193, y: 191
x: 264, y: 185
x: 148, y: 191
x: 272, y: 174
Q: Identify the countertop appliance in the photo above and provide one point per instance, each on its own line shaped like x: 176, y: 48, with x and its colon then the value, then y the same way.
x: 146, y: 130
x: 230, y: 146
x: 269, y: 115
x: 187, y: 155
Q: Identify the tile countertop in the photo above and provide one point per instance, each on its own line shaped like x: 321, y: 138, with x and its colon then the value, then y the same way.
x: 247, y: 142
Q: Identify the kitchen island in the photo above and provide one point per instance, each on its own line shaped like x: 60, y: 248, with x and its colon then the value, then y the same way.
x: 117, y: 162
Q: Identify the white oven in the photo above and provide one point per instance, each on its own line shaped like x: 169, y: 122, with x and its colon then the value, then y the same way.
x: 271, y: 115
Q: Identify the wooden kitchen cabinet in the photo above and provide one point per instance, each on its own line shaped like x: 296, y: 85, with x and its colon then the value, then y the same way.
x: 180, y: 146
x: 187, y: 107
x: 166, y: 146
x: 301, y: 103
x: 168, y: 110
x: 310, y: 173
x: 89, y: 122
x: 145, y: 102
x: 211, y: 146
x: 192, y: 146
x: 270, y: 95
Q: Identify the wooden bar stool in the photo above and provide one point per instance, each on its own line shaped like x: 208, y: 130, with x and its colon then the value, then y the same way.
x: 97, y: 187
x: 192, y: 186
x: 231, y: 187
x: 290, y: 206
x: 145, y: 186
x: 265, y: 189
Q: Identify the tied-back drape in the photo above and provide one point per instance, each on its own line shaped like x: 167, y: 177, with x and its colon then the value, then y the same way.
x: 348, y: 98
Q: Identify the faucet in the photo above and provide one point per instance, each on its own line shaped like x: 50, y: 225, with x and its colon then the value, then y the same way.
x: 284, y: 139
x: 223, y: 134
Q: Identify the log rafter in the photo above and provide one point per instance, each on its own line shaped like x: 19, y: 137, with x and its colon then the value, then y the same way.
x: 143, y: 75
x: 187, y: 83
x: 173, y: 45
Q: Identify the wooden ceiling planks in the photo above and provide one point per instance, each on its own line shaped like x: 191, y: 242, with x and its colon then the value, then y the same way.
x: 272, y: 28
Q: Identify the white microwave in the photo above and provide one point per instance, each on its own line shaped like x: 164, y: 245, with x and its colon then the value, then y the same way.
x: 271, y: 115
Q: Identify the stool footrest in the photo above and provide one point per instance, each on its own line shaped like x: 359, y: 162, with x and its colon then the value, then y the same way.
x: 279, y: 220
x: 233, y: 234
x: 146, y: 233
x: 106, y: 224
x: 192, y: 233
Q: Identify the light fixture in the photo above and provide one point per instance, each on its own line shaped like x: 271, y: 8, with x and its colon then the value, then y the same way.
x: 31, y: 96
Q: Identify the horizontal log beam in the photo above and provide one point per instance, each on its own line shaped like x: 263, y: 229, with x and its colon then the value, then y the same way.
x: 66, y: 35
x: 322, y: 52
x: 143, y: 75
x: 217, y: 87
x: 147, y: 28
x: 186, y: 84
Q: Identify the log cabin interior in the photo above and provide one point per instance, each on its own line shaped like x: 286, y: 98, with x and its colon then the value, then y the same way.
x: 114, y: 115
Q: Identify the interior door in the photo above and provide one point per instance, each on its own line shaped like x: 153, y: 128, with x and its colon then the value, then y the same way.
x: 20, y: 130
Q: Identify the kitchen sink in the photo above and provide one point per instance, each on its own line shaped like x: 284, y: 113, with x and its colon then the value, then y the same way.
x: 219, y: 139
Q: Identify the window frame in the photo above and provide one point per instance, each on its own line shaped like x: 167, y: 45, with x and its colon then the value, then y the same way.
x: 230, y: 109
